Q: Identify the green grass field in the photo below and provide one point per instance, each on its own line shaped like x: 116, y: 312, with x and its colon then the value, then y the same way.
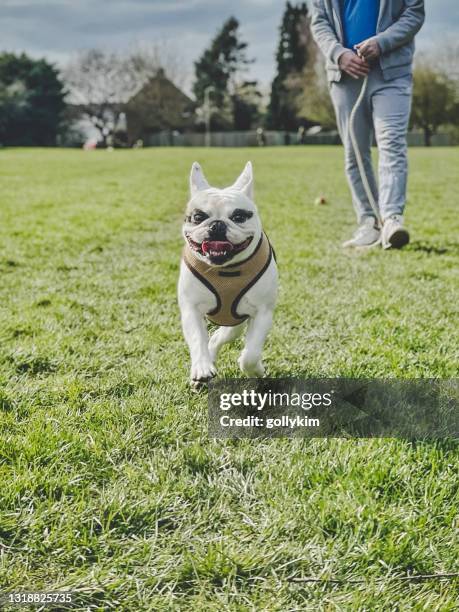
x: 110, y: 486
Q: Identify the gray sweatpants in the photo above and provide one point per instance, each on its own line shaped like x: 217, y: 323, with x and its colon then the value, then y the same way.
x: 384, y: 110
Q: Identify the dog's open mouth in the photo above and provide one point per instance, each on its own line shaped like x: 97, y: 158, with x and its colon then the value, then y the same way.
x: 219, y: 250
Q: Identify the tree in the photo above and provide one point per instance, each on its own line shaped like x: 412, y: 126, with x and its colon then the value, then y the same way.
x: 99, y: 83
x: 219, y: 72
x: 31, y: 101
x: 145, y: 60
x: 314, y: 102
x: 102, y: 82
x: 291, y: 58
x: 245, y: 102
x: 445, y: 59
x: 435, y: 101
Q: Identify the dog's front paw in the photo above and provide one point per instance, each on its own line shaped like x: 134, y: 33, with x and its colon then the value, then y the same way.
x: 201, y: 372
x: 252, y: 367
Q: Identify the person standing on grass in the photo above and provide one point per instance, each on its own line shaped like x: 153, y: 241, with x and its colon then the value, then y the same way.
x: 374, y: 39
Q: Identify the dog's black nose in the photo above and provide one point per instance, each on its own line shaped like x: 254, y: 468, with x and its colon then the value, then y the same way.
x: 217, y: 230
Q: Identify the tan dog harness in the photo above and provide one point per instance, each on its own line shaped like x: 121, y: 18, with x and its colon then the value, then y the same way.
x: 230, y: 283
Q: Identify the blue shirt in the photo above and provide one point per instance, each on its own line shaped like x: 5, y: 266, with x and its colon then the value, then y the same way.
x: 360, y: 20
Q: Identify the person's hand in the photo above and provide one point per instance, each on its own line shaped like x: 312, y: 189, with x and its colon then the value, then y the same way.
x: 369, y: 49
x: 353, y: 65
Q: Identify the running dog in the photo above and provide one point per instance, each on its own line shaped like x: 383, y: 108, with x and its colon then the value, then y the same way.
x: 228, y: 275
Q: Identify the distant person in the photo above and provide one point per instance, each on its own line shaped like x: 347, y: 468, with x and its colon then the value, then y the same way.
x: 261, y: 137
x: 301, y: 135
x: 373, y: 38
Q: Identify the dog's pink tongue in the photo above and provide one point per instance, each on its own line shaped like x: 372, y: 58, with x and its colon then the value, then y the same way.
x: 217, y: 246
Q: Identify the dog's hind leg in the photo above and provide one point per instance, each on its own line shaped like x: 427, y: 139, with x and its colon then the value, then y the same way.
x: 222, y: 336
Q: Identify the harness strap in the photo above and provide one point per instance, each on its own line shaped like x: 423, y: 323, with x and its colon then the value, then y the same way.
x: 230, y: 283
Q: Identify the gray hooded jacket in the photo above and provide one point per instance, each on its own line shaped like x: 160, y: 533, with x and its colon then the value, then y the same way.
x: 398, y: 23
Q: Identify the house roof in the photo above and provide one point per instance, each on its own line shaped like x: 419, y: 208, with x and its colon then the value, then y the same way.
x: 160, y: 83
x: 160, y: 104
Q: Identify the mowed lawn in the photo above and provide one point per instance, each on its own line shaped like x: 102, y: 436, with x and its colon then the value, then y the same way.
x: 109, y: 485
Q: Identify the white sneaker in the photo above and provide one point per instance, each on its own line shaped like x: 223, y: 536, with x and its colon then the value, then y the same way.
x: 394, y: 235
x: 367, y: 235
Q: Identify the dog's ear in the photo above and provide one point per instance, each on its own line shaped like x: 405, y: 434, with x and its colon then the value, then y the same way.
x: 245, y: 182
x: 198, y: 181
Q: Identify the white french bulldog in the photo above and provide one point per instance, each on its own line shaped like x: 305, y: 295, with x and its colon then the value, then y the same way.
x: 228, y: 274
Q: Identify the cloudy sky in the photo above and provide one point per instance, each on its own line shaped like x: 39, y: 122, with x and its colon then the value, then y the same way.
x: 56, y: 29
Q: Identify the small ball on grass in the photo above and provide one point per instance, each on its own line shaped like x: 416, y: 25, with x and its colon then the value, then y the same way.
x: 320, y: 201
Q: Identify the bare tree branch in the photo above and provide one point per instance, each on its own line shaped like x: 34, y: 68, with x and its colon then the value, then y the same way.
x: 101, y: 82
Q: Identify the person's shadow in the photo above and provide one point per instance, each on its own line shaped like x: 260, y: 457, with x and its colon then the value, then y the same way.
x: 450, y: 248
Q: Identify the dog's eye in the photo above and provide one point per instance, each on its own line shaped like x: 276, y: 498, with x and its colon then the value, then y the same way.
x: 199, y: 216
x: 241, y: 216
